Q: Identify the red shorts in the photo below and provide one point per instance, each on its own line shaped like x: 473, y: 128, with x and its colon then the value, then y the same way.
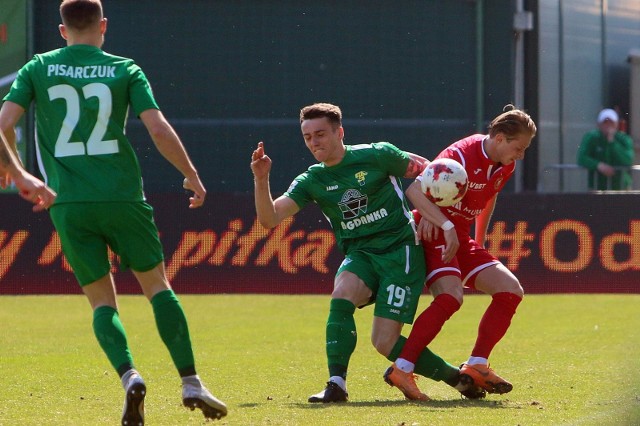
x: 470, y: 259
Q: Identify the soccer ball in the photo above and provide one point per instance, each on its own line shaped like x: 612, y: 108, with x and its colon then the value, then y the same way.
x: 444, y: 182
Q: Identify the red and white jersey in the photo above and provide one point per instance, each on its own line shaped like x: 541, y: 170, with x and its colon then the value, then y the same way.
x: 486, y: 179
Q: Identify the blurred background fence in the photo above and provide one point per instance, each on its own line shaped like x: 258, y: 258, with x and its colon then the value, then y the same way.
x: 417, y: 73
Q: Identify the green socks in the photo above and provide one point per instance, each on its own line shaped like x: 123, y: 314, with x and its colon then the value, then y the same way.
x: 112, y: 338
x: 174, y: 331
x: 429, y: 364
x: 341, y: 336
x: 172, y: 326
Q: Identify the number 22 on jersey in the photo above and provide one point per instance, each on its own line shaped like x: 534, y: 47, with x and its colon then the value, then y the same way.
x: 95, y: 144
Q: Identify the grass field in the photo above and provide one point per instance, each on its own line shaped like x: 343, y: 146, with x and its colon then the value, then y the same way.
x: 573, y: 359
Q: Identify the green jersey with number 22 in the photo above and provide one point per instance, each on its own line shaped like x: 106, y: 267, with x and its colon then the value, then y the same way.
x: 82, y: 97
x: 362, y: 197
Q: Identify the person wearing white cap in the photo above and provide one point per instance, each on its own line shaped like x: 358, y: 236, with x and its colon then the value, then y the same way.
x: 605, y: 152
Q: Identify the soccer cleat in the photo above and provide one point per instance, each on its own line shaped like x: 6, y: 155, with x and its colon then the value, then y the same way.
x: 474, y: 392
x: 198, y: 396
x: 332, y: 393
x: 471, y: 391
x: 406, y: 382
x: 133, y: 411
x: 484, y: 377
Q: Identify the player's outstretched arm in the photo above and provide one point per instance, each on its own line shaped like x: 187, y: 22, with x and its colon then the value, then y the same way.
x: 170, y: 146
x: 269, y: 212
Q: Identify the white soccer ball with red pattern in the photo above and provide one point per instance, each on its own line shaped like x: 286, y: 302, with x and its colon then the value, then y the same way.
x: 444, y: 182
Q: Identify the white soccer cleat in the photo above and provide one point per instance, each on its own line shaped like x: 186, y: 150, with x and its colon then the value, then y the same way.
x: 198, y: 396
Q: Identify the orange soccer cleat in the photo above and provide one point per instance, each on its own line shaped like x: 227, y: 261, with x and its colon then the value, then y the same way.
x: 483, y: 376
x: 406, y: 382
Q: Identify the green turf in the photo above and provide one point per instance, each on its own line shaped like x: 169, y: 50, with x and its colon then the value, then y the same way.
x: 573, y: 360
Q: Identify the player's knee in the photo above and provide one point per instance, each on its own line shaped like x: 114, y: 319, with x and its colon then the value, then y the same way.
x: 354, y: 291
x: 516, y: 289
x: 455, y: 291
x: 458, y: 294
x: 383, y: 344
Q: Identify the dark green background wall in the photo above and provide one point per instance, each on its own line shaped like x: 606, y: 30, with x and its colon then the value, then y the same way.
x: 229, y: 74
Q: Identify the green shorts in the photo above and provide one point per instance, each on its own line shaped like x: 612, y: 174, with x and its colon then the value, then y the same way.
x: 396, y: 279
x: 86, y: 230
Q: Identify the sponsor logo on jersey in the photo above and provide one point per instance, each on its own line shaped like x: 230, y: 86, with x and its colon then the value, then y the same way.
x: 472, y: 212
x: 353, y: 204
x: 476, y: 171
x: 475, y: 186
x: 363, y: 220
x: 463, y: 212
x: 360, y: 177
x: 332, y: 187
x: 354, y: 210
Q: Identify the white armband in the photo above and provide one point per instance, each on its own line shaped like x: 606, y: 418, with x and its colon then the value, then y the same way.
x: 447, y: 225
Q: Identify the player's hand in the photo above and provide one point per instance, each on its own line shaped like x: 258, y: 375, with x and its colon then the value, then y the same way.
x: 260, y: 162
x: 452, y: 245
x: 35, y: 191
x: 427, y: 231
x: 199, y: 193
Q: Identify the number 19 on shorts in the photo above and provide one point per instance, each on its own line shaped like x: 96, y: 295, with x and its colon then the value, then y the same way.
x: 396, y: 296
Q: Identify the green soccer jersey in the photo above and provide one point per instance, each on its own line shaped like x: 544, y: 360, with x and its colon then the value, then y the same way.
x: 82, y: 97
x: 362, y: 197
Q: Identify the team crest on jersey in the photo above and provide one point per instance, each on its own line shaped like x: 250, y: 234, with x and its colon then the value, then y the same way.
x: 498, y: 183
x: 360, y: 177
x: 353, y: 204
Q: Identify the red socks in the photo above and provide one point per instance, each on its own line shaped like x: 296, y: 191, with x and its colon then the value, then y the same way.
x: 495, y: 322
x: 428, y: 325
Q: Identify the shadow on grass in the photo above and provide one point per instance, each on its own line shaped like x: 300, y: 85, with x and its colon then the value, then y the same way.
x: 444, y: 404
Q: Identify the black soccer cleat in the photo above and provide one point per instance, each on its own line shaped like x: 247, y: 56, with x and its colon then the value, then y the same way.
x: 332, y: 393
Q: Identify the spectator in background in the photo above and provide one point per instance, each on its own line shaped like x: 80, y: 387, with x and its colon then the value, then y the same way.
x: 605, y: 152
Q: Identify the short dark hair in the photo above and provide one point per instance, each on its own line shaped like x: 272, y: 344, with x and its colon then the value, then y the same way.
x: 319, y: 110
x: 80, y: 14
x: 512, y: 122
